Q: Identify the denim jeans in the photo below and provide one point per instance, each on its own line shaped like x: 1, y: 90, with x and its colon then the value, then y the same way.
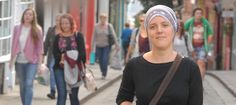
x: 26, y: 73
x: 103, y: 57
x: 200, y: 53
x: 61, y: 89
x: 50, y: 63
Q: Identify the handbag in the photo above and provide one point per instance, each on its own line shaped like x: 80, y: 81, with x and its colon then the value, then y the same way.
x: 111, y: 39
x: 89, y: 80
x: 170, y: 74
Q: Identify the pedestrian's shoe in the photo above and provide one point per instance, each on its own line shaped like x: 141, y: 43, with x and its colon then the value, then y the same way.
x: 103, y: 77
x: 51, y: 96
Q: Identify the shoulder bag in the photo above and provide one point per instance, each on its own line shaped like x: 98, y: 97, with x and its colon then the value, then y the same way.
x: 111, y: 39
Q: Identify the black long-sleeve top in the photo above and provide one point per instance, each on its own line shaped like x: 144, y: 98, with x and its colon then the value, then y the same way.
x: 57, y: 52
x: 48, y: 43
x: 142, y: 79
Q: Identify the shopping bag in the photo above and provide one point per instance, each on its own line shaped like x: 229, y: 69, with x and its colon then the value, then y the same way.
x: 116, y: 60
x: 92, y: 58
x: 44, y: 75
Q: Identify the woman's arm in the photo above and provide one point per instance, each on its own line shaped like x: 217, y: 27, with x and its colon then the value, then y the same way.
x: 46, y: 42
x: 56, y: 51
x: 131, y: 44
x: 40, y: 45
x: 81, y: 47
x: 114, y: 34
x: 195, y: 86
x: 126, y: 90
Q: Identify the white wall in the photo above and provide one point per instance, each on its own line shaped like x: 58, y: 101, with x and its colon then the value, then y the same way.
x: 103, y: 6
x: 51, y: 11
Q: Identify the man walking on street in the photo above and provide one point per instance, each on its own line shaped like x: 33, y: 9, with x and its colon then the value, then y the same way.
x: 201, y: 35
x: 125, y: 37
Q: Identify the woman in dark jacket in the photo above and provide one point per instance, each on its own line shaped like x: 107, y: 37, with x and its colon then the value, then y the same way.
x: 48, y: 46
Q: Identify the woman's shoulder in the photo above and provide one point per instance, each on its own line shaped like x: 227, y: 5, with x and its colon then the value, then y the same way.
x: 187, y: 60
x: 17, y: 27
x: 79, y: 35
x: 189, y: 63
x: 135, y: 60
x: 39, y: 27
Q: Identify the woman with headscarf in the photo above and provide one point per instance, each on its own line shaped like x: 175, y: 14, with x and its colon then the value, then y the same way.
x: 143, y: 74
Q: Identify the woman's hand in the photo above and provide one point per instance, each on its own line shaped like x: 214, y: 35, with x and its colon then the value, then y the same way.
x: 62, y: 60
x: 11, y: 64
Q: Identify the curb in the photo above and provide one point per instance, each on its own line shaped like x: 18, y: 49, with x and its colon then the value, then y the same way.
x: 223, y: 83
x: 100, y: 89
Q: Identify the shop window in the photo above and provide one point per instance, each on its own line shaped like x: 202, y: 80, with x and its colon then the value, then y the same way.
x: 1, y: 9
x: 5, y: 46
x: 1, y: 29
x: 25, y: 0
x: 1, y: 50
x: 6, y: 29
x: 7, y: 8
x: 5, y: 26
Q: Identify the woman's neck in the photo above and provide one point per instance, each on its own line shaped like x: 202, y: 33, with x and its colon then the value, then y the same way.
x: 67, y: 34
x: 26, y: 24
x: 161, y: 56
x: 103, y: 23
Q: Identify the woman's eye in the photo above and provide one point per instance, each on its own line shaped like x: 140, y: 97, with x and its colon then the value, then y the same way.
x: 152, y: 27
x: 165, y: 25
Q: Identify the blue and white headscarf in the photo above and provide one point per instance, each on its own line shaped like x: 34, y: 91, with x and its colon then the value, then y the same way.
x: 163, y: 11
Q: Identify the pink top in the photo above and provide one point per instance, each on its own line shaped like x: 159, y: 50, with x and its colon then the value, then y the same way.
x: 32, y: 52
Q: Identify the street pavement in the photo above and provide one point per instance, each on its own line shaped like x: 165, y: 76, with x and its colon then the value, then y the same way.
x: 40, y: 91
x: 216, y: 84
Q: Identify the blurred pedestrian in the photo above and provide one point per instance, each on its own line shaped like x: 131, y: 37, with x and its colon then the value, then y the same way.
x: 201, y: 35
x: 181, y: 42
x: 125, y: 38
x: 48, y: 47
x: 139, y: 42
x: 101, y: 33
x: 68, y: 40
x: 27, y: 51
x: 143, y: 75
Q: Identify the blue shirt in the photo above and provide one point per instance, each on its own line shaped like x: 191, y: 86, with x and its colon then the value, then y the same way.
x: 126, y: 34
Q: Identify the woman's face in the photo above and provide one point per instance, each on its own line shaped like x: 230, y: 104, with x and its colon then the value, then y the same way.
x: 160, y: 33
x: 103, y: 19
x: 141, y: 21
x: 28, y: 16
x: 65, y: 25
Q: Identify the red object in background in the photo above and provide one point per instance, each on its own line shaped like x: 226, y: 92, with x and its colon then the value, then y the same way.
x: 74, y: 11
x: 86, y: 24
x: 90, y: 25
